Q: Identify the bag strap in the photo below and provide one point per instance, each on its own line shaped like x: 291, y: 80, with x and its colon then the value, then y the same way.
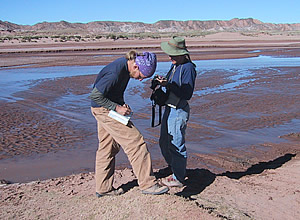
x: 153, y: 116
x: 173, y: 70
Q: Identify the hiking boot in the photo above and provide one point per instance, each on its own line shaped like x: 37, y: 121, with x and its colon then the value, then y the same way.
x: 171, y: 182
x: 156, y: 190
x: 114, y: 192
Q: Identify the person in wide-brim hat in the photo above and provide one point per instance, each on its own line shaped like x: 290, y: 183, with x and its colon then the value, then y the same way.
x: 179, y: 84
x: 175, y: 47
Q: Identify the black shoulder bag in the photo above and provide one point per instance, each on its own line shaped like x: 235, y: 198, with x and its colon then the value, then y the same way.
x: 158, y: 97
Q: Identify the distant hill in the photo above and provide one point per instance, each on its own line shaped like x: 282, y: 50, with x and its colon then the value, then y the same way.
x: 163, y: 26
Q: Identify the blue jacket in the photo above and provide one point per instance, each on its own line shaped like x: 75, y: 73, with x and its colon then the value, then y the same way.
x: 182, y: 81
x: 112, y: 81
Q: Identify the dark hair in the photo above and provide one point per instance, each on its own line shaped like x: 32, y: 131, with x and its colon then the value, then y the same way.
x: 189, y: 58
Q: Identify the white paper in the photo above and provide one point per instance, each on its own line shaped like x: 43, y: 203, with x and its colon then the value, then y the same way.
x: 120, y: 118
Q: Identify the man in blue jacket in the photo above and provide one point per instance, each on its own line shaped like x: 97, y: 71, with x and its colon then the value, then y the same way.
x: 108, y: 94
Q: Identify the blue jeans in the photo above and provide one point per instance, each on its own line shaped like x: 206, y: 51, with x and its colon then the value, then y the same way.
x: 172, y: 140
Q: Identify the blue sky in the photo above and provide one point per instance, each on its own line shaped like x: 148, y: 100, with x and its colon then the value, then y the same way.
x: 34, y: 11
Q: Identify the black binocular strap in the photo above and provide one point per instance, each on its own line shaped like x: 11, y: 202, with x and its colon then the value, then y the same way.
x: 153, y: 115
x: 159, y: 113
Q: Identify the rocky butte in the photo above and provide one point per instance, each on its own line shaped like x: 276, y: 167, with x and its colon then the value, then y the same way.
x: 162, y: 26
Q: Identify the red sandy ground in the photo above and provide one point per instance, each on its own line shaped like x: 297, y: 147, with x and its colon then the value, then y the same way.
x: 260, y: 182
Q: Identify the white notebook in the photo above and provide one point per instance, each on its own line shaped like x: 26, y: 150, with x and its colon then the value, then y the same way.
x: 120, y: 118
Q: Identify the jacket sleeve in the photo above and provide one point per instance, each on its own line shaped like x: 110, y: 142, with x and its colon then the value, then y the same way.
x: 101, y: 100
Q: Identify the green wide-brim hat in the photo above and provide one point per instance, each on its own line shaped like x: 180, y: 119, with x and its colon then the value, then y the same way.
x: 174, y: 47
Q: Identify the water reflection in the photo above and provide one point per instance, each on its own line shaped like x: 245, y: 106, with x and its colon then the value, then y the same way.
x: 238, y: 79
x: 16, y: 80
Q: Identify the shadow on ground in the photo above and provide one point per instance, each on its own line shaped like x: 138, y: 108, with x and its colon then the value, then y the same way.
x: 199, y: 179
x: 260, y: 167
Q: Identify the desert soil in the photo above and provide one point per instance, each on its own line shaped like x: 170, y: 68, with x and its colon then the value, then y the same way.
x: 260, y: 181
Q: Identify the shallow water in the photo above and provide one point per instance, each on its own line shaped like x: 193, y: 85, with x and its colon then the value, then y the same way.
x: 16, y: 80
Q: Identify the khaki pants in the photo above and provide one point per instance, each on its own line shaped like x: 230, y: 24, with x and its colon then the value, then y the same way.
x: 112, y: 134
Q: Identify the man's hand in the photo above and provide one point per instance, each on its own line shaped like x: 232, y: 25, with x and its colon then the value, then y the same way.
x: 123, y: 110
